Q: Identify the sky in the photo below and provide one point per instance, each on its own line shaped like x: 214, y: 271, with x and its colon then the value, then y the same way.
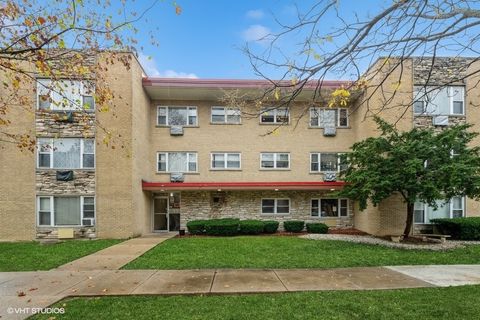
x: 206, y: 39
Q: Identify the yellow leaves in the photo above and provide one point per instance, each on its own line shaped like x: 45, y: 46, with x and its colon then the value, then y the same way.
x: 178, y: 10
x: 275, y: 132
x: 16, y: 83
x: 41, y: 20
x: 28, y: 22
x: 276, y: 94
x: 396, y: 85
x: 339, y: 98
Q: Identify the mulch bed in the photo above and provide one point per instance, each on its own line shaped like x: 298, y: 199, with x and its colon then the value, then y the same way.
x: 349, y: 231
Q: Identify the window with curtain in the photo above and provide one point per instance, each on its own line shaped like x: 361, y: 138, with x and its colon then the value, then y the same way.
x: 329, y: 207
x: 439, y: 101
x: 65, y: 95
x: 67, y: 211
x: 454, y: 208
x: 177, y: 162
x: 322, y: 117
x: 66, y: 153
x: 177, y: 116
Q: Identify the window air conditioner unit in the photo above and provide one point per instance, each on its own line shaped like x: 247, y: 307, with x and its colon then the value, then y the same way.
x: 176, y: 130
x: 440, y: 121
x: 88, y: 222
x: 177, y: 177
x: 66, y: 116
x: 330, y: 176
x: 330, y: 131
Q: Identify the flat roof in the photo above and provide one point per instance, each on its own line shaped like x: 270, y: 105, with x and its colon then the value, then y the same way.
x: 212, y: 89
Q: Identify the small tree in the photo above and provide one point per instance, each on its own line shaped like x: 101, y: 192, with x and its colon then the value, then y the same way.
x: 421, y: 165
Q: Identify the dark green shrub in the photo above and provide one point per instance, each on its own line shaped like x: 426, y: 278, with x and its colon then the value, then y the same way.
x: 270, y: 226
x: 251, y: 226
x: 460, y: 228
x: 293, y: 225
x: 196, y: 226
x: 222, y: 227
x: 317, y: 227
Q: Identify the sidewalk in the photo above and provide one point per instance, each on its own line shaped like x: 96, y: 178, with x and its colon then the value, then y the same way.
x: 115, y: 257
x: 41, y: 289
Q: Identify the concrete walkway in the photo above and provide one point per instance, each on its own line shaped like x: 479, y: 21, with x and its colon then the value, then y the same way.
x: 41, y: 289
x: 116, y: 256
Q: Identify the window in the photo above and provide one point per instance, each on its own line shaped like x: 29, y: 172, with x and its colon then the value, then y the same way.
x: 221, y: 161
x: 176, y: 116
x: 226, y: 115
x: 439, y: 101
x: 274, y: 160
x: 66, y: 153
x: 177, y: 162
x: 275, y: 115
x: 326, y: 162
x: 329, y: 207
x: 275, y: 206
x: 454, y: 208
x: 65, y: 95
x: 321, y: 117
x: 65, y: 211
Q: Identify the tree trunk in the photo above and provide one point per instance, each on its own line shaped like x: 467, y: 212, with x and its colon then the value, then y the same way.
x: 408, y: 224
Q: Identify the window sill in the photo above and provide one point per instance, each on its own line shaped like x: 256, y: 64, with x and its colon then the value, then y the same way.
x: 312, y: 127
x: 274, y: 214
x: 168, y: 126
x: 415, y: 115
x: 224, y: 124
x: 278, y: 124
x: 66, y: 169
x: 330, y: 218
x: 169, y: 173
x: 275, y: 169
x: 67, y: 110
x: 225, y: 169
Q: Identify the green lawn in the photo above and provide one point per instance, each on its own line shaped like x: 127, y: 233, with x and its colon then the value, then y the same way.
x: 429, y: 303
x: 288, y: 252
x: 31, y: 256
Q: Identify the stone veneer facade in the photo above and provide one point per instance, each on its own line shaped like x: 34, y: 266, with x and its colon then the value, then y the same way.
x: 199, y: 205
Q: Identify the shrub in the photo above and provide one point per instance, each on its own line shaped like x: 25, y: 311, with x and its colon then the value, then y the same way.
x: 460, y: 228
x: 222, y: 227
x: 196, y: 226
x: 317, y: 227
x: 270, y: 226
x: 293, y: 225
x: 251, y: 226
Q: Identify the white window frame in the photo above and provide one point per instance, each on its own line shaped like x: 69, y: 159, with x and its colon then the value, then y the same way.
x: 225, y: 115
x: 167, y: 124
x: 166, y: 153
x: 275, y: 111
x: 51, y: 152
x: 319, y: 154
x: 52, y: 211
x: 337, y: 120
x: 81, y: 97
x: 450, y: 213
x: 338, y: 206
x: 450, y: 98
x: 275, y: 155
x: 275, y: 207
x: 225, y: 161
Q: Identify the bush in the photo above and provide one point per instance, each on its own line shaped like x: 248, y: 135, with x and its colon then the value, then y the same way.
x: 196, y: 226
x: 460, y: 228
x: 222, y: 227
x: 317, y: 227
x: 293, y: 225
x: 251, y: 226
x: 270, y: 226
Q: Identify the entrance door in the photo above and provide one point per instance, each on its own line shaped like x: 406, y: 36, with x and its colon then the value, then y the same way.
x: 160, y: 214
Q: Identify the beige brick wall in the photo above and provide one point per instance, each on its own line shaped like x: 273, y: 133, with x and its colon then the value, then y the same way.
x: 17, y: 172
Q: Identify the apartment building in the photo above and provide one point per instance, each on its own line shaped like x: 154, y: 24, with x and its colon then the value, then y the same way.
x: 185, y: 155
